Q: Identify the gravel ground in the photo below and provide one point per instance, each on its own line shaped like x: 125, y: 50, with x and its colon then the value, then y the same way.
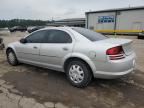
x: 26, y: 86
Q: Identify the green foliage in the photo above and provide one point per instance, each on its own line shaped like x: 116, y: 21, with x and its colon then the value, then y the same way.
x: 21, y: 22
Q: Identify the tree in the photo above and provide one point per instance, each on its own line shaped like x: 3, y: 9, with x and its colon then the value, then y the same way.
x: 21, y: 22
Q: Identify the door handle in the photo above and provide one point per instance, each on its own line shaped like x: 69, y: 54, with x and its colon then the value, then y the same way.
x: 35, y: 47
x: 65, y: 49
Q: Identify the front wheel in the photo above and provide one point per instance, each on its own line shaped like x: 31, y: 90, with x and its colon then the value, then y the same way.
x: 11, y: 58
x: 79, y: 74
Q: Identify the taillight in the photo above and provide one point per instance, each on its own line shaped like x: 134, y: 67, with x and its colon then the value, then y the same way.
x: 115, y: 53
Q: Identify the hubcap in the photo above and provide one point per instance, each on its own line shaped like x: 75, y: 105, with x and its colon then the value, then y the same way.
x: 11, y: 57
x: 76, y: 73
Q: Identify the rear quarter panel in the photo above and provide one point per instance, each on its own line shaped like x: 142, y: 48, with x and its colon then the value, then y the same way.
x: 95, y: 51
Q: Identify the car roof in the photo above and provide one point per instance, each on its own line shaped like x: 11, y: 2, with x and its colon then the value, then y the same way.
x: 60, y: 28
x: 47, y: 28
x: 78, y: 37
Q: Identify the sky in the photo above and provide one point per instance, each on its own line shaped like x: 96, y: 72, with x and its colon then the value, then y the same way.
x: 58, y: 9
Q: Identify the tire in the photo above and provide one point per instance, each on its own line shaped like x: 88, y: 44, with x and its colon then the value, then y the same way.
x: 11, y: 58
x: 78, y: 74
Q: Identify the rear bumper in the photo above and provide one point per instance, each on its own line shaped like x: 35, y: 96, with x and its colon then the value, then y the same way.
x: 112, y: 75
x: 115, y: 69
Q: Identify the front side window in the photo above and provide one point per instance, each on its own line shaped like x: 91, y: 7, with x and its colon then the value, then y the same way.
x: 36, y: 37
x: 57, y: 36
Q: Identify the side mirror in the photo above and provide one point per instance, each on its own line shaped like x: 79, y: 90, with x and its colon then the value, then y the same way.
x: 23, y: 40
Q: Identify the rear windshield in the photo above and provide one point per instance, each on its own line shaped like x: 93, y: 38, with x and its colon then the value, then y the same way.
x: 89, y: 34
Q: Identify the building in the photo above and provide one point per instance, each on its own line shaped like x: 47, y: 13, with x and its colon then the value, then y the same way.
x: 76, y: 22
x: 122, y: 20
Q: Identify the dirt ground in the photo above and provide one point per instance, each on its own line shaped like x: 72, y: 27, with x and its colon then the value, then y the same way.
x: 26, y: 86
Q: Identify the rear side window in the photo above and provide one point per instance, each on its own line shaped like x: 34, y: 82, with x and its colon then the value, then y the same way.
x: 57, y: 36
x: 91, y: 35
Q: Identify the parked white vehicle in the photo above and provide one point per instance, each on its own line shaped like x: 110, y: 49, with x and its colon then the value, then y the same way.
x: 79, y: 52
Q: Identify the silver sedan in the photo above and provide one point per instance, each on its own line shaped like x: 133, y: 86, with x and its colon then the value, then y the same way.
x: 81, y: 53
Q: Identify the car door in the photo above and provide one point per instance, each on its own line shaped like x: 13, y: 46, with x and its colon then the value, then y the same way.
x: 29, y: 51
x: 57, y: 45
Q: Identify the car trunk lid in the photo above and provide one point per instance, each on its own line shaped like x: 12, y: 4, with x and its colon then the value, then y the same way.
x: 125, y: 43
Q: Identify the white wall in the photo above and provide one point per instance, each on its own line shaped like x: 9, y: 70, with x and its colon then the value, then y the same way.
x: 127, y: 20
x: 93, y: 21
x: 131, y: 20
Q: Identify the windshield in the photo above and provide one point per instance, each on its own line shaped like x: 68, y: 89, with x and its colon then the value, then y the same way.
x: 89, y: 34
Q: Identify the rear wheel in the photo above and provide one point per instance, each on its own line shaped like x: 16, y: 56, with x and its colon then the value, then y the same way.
x: 11, y: 58
x: 78, y: 73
